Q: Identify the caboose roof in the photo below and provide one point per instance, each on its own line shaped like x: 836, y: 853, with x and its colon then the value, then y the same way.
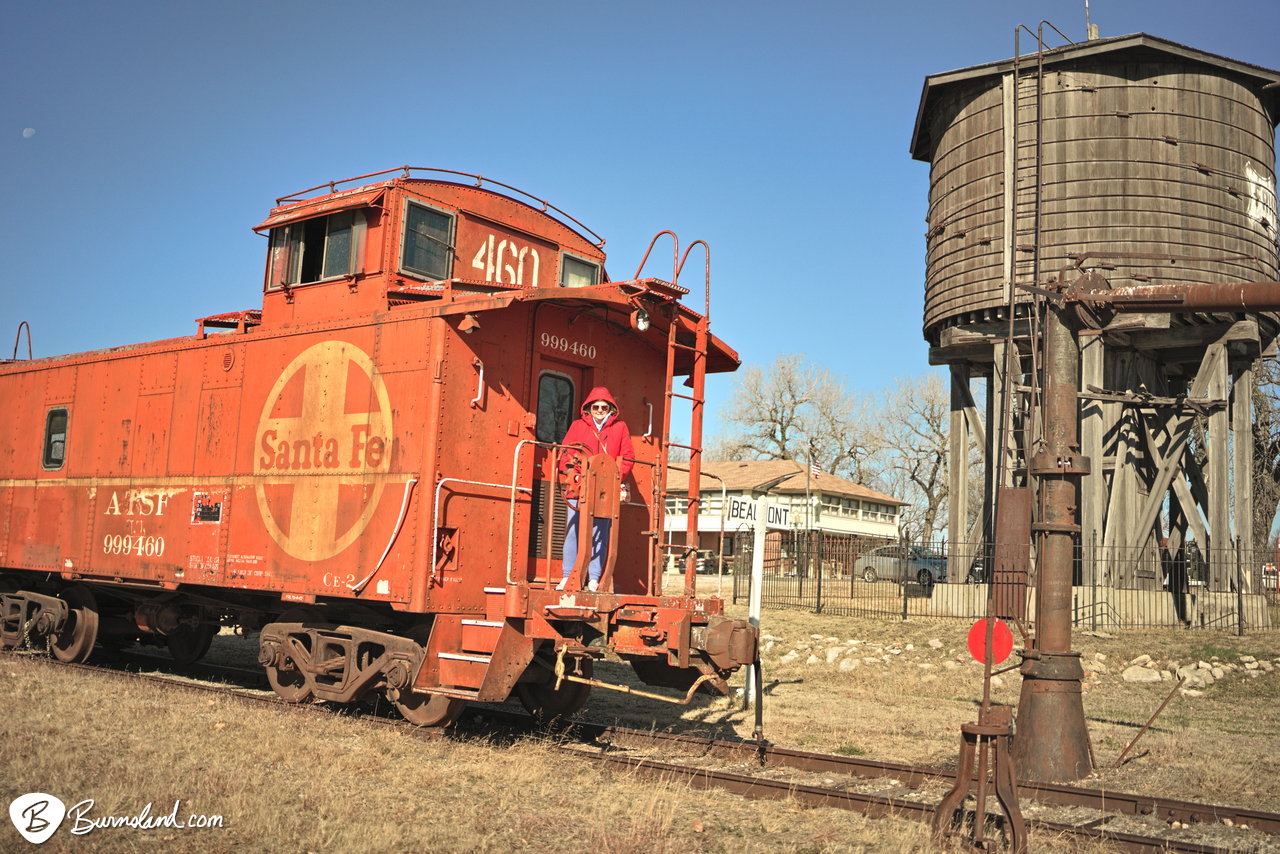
x: 1139, y: 44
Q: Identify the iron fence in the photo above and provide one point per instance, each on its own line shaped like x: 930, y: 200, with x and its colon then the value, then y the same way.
x: 1113, y: 587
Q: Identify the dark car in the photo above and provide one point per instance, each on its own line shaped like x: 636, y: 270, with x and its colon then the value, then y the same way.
x: 897, y: 562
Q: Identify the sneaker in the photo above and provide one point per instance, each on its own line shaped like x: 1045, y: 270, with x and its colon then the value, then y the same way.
x: 562, y: 583
x: 593, y: 586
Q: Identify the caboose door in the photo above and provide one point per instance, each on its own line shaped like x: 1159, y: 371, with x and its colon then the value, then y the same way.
x: 559, y: 386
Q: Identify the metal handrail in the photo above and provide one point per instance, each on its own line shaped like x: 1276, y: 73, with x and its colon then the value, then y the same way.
x: 515, y: 471
x: 435, y: 510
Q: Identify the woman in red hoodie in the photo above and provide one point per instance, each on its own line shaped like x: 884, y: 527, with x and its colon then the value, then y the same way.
x: 598, y: 431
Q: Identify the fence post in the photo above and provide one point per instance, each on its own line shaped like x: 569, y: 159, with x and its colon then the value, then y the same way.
x: 1093, y: 574
x: 818, y: 554
x: 1239, y: 590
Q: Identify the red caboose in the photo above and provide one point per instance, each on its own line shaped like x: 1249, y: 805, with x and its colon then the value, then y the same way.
x: 365, y: 469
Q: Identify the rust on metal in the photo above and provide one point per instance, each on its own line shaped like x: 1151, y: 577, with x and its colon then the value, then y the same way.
x: 365, y: 465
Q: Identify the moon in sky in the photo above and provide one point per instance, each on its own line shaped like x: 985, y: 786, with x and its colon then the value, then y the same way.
x: 27, y: 133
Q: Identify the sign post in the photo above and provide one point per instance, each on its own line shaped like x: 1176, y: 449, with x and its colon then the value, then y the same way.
x: 760, y: 515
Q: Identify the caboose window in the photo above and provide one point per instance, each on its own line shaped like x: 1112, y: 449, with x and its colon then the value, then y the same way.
x: 55, y: 438
x: 428, y: 242
x: 555, y: 407
x: 323, y: 247
x: 578, y: 273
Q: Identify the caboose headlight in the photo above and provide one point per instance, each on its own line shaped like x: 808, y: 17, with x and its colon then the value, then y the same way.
x: 640, y: 320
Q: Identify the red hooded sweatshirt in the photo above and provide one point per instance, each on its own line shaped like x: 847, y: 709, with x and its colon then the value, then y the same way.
x: 614, y: 438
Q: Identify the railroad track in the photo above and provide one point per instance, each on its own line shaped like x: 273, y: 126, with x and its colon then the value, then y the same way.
x: 1131, y: 822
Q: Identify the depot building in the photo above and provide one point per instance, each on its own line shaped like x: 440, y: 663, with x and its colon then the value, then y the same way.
x: 811, y: 503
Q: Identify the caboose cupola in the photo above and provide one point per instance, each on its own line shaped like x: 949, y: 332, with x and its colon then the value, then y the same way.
x: 358, y: 250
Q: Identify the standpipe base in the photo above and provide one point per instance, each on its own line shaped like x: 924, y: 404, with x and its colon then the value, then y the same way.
x: 1052, y: 741
x: 987, y: 742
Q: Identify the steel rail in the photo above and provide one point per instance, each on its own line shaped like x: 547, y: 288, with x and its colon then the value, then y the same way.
x: 747, y: 785
x: 878, y: 806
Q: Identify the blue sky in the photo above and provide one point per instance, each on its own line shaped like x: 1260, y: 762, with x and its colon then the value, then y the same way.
x: 776, y: 132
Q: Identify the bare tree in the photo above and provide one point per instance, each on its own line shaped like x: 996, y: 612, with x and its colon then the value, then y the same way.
x: 1266, y: 451
x: 897, y: 443
x: 794, y: 410
x: 912, y: 448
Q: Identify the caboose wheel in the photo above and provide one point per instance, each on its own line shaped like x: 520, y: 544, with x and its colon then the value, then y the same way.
x: 190, y: 643
x: 545, y: 703
x: 428, y: 709
x: 287, y: 680
x: 74, y: 643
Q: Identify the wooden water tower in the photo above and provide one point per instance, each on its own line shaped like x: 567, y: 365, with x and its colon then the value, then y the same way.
x: 1155, y: 163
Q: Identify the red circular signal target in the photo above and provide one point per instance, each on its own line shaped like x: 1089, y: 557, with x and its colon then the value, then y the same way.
x: 1001, y: 640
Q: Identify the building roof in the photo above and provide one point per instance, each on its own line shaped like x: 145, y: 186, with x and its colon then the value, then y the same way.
x: 1134, y: 46
x: 777, y: 476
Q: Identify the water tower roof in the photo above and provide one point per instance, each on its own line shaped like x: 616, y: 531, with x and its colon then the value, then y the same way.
x: 1138, y: 44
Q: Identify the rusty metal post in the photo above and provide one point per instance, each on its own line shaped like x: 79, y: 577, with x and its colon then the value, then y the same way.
x: 1052, y: 741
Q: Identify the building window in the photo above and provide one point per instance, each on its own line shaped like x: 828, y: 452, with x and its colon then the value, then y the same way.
x: 428, y: 242
x: 577, y: 272
x: 324, y: 247
x: 555, y: 407
x: 676, y: 505
x: 55, y: 439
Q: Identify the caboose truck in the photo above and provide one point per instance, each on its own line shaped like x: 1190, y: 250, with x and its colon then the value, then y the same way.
x: 366, y: 468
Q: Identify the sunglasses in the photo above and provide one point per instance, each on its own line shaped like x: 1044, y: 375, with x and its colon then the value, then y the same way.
x: 603, y: 406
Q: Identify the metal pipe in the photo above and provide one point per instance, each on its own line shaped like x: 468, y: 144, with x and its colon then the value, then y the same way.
x: 1235, y: 296
x: 1052, y: 737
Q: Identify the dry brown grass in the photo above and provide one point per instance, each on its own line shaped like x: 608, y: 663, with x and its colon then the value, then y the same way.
x: 291, y: 782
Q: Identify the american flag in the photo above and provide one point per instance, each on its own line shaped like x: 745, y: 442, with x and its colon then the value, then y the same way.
x: 814, y: 470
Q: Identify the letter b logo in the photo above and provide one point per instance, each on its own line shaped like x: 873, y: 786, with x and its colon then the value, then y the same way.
x: 37, y: 815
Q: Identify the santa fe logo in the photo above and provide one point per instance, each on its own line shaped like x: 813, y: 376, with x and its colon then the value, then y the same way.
x: 323, y: 450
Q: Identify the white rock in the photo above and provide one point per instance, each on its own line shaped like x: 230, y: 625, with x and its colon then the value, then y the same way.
x: 910, y: 647
x: 1218, y: 672
x: 815, y: 637
x: 1138, y: 673
x: 848, y: 664
x: 768, y: 646
x: 935, y: 644
x: 1251, y: 665
x: 1254, y: 673
x: 1140, y: 660
x: 834, y: 653
x: 950, y: 665
x: 1190, y: 692
x: 1098, y: 656
x: 831, y: 640
x: 895, y: 652
x: 1166, y: 676
x: 768, y: 637
x: 812, y: 659
x: 1247, y: 658
x: 997, y: 682
x: 925, y: 665
x: 789, y: 657
x: 1204, y: 665
x: 1267, y: 666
